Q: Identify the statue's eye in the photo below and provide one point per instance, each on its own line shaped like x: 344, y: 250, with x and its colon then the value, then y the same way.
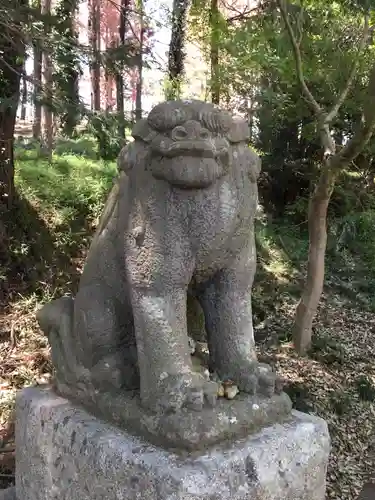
x: 179, y: 133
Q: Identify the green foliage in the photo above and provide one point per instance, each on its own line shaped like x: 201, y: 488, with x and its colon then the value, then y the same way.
x: 67, y: 57
x: 57, y: 208
x: 341, y: 402
x: 356, y: 234
x: 84, y: 146
x: 300, y: 397
x: 259, y: 72
x: 104, y: 127
x: 73, y: 185
x: 172, y: 89
x: 208, y: 28
x: 115, y: 58
x: 326, y: 349
x: 280, y: 250
x: 365, y: 388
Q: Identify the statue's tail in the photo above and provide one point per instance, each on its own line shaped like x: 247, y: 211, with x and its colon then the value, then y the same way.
x: 56, y: 321
x: 56, y: 315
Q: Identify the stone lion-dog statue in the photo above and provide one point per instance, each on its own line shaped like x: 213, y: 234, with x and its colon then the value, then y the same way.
x: 177, y: 223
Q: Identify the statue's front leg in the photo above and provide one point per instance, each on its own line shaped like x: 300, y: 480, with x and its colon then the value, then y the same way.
x: 162, y: 343
x: 228, y: 314
x: 167, y: 379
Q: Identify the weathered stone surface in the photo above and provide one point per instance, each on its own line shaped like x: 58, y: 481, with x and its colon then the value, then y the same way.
x: 64, y: 453
x: 178, y: 223
x: 8, y: 494
x: 186, y: 429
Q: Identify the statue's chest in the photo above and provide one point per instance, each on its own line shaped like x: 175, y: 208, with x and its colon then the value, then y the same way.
x: 216, y: 212
x: 214, y: 218
x: 194, y: 233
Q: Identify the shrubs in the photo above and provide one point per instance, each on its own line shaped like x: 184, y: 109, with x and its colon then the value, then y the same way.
x: 105, y: 128
x: 354, y: 241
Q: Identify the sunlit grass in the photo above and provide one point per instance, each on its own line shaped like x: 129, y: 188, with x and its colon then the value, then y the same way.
x: 69, y: 187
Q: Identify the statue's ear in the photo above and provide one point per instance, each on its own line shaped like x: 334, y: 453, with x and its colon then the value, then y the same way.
x: 142, y: 131
x: 143, y: 134
x: 239, y: 130
x: 133, y: 154
x: 124, y: 163
x: 239, y: 134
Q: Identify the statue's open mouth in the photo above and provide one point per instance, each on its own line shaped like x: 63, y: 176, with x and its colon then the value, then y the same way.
x: 189, y: 171
x: 190, y: 163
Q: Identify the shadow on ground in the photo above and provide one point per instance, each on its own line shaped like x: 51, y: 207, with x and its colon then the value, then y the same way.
x: 277, y: 286
x: 31, y: 258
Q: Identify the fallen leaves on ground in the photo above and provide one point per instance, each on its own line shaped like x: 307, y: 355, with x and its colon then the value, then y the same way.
x: 336, y: 381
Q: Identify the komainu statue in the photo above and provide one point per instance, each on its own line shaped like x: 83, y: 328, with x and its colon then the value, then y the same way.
x: 178, y: 222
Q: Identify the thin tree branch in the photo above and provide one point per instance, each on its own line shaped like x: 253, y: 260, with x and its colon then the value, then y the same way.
x: 353, y: 72
x: 243, y: 16
x: 326, y: 138
x: 364, y: 133
x: 298, y: 60
x: 300, y: 25
x: 21, y: 73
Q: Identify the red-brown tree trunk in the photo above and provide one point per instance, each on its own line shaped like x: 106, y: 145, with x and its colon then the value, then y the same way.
x: 11, y: 64
x: 95, y: 47
x: 47, y: 74
x: 139, y: 86
x: 317, y: 224
x: 120, y: 75
x: 214, y: 52
x: 37, y: 77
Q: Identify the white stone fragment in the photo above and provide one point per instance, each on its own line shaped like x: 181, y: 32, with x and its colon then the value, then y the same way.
x: 231, y: 391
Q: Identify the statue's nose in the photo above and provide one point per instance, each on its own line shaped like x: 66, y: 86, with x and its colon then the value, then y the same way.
x: 190, y: 130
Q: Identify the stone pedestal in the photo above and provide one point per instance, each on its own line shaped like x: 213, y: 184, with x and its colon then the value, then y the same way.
x: 64, y: 453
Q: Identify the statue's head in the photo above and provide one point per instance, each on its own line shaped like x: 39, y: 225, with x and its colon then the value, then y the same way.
x: 189, y: 142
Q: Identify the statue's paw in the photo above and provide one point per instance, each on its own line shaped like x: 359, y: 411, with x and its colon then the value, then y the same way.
x: 255, y: 378
x: 266, y: 380
x: 185, y: 390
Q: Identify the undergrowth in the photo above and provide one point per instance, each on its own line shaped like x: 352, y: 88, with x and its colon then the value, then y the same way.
x: 55, y: 213
x: 56, y: 210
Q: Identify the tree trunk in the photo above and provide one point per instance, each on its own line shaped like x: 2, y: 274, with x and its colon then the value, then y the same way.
x: 11, y: 64
x: 176, y: 56
x: 24, y: 98
x: 214, y: 52
x: 317, y: 224
x: 47, y: 73
x: 120, y: 75
x: 68, y: 67
x: 95, y: 47
x: 7, y: 123
x: 138, y: 97
x: 108, y: 89
x: 333, y: 163
x: 317, y: 217
x: 37, y: 76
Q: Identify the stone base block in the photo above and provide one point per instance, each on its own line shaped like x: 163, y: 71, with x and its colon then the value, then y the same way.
x: 187, y: 429
x: 8, y: 494
x: 64, y: 453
